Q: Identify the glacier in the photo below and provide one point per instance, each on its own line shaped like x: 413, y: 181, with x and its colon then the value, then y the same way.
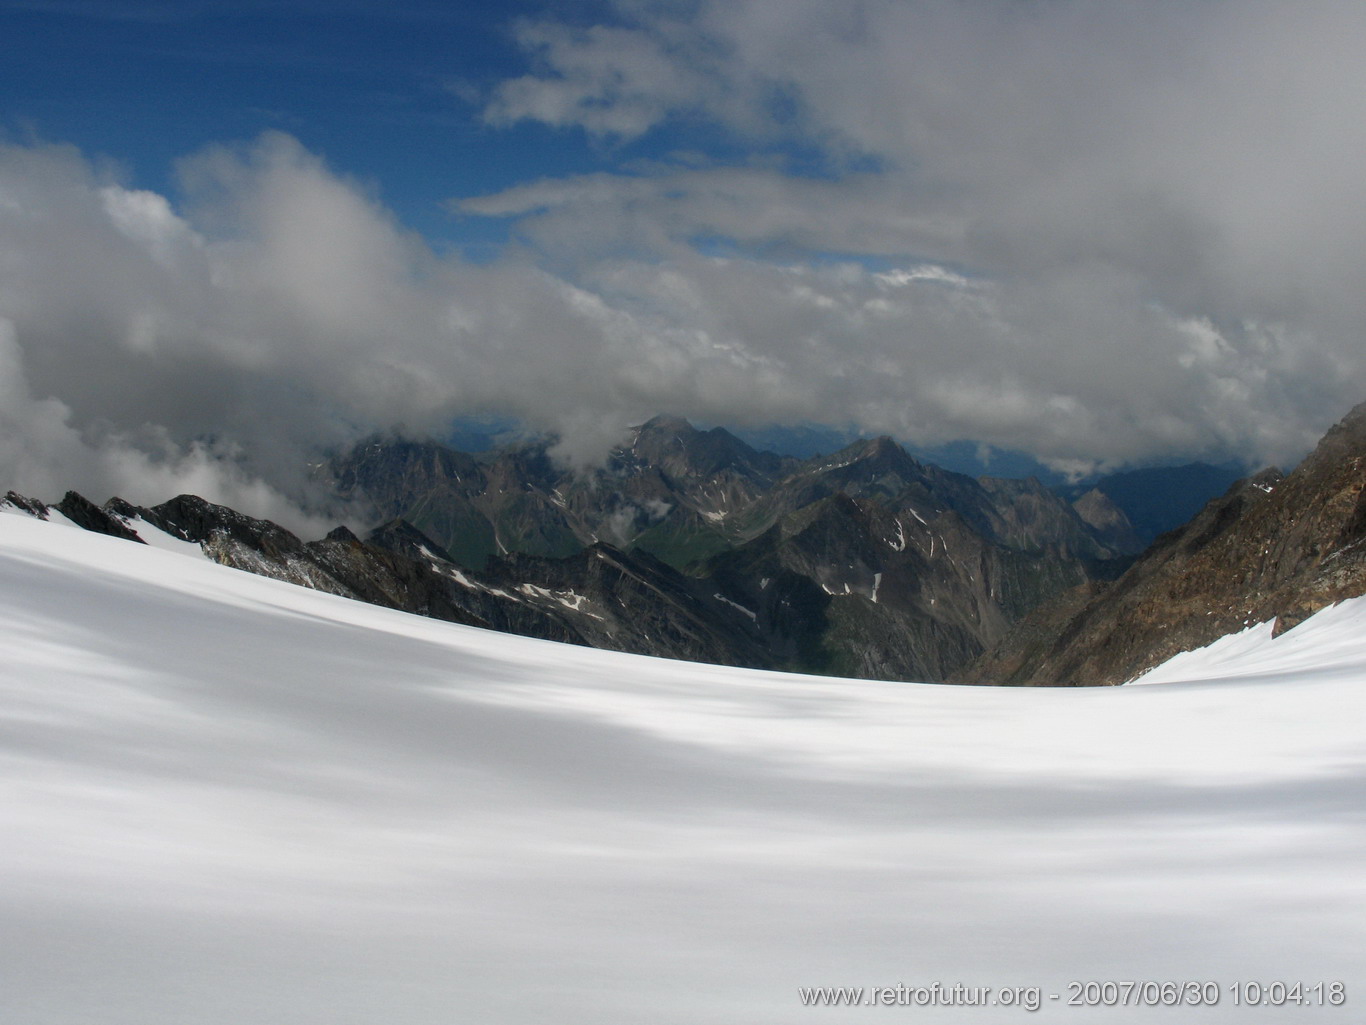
x: 226, y: 799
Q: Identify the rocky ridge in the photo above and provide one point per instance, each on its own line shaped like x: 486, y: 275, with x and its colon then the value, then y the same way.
x: 601, y: 597
x: 1272, y: 548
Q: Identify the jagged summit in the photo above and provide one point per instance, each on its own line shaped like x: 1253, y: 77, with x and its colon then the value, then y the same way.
x: 882, y: 448
x: 873, y: 455
x: 677, y: 447
x: 666, y: 423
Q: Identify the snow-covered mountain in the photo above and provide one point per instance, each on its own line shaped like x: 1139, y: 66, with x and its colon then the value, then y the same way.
x: 231, y: 800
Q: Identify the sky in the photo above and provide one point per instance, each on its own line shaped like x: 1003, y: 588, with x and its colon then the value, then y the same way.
x: 234, y: 234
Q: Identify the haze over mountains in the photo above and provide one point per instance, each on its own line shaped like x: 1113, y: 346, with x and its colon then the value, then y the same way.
x: 691, y: 544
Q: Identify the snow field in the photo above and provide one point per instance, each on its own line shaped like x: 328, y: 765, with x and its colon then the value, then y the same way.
x: 225, y: 799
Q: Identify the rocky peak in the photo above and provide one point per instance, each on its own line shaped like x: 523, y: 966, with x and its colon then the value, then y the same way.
x: 1346, y: 438
x: 1111, y: 526
x: 876, y: 455
x: 681, y: 450
x: 883, y: 447
x: 398, y: 535
x: 21, y: 503
x: 665, y: 424
x: 218, y: 528
x: 85, y: 513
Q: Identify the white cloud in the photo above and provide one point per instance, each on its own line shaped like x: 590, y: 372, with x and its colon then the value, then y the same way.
x: 1105, y: 176
x: 147, y: 218
x: 614, y: 82
x: 42, y: 454
x: 1096, y: 234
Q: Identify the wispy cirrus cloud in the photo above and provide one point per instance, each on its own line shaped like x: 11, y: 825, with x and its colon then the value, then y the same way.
x: 610, y: 81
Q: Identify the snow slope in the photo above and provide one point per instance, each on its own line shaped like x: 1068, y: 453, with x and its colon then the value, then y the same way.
x: 225, y: 799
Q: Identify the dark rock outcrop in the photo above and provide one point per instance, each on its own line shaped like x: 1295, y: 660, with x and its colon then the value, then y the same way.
x: 85, y: 513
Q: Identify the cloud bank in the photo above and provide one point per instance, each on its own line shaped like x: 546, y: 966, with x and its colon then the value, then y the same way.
x: 1157, y: 205
x: 1097, y: 234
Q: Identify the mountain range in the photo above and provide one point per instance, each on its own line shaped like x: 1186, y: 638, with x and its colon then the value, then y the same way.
x: 691, y: 544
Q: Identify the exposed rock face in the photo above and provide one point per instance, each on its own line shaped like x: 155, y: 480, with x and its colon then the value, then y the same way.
x: 630, y: 601
x: 84, y: 513
x: 1108, y: 521
x: 1271, y: 548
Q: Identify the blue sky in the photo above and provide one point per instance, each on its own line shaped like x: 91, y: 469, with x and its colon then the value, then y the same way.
x: 374, y: 87
x: 1104, y: 235
x: 392, y: 94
